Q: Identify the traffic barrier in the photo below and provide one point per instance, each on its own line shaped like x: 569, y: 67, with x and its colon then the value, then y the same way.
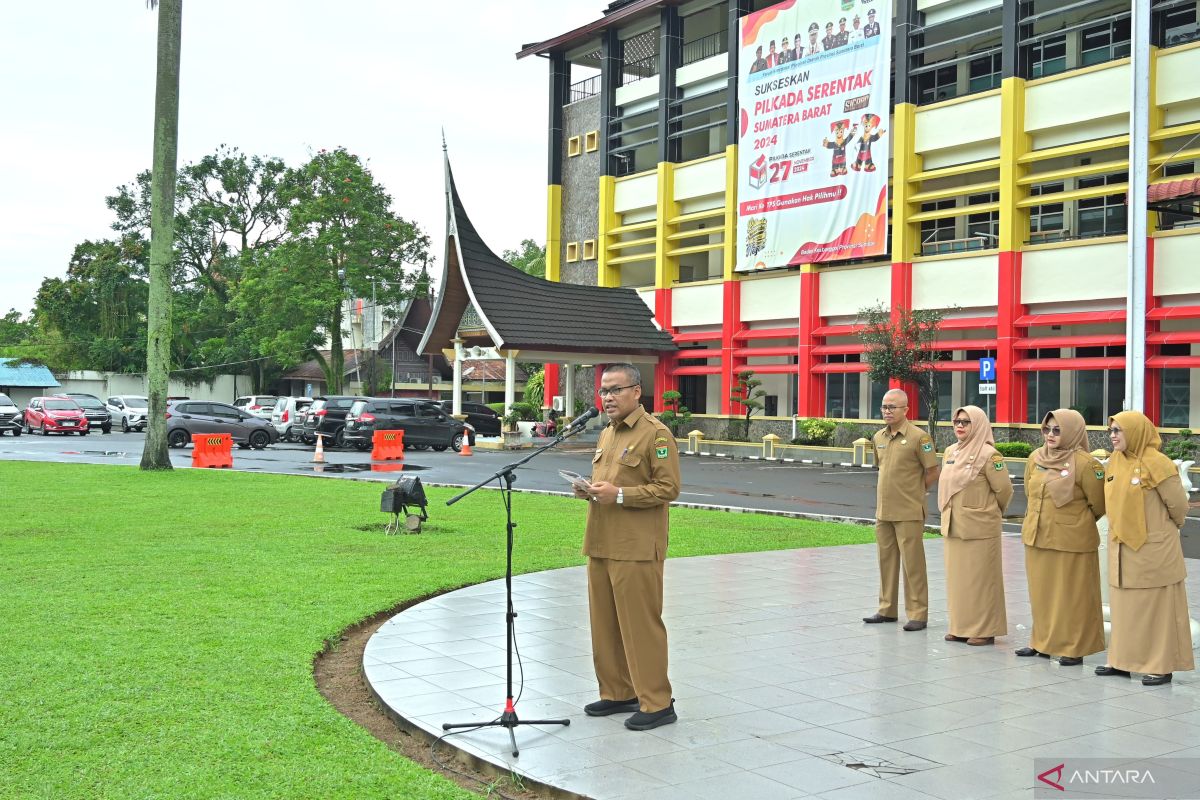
x: 319, y: 453
x: 212, y: 450
x: 387, y: 446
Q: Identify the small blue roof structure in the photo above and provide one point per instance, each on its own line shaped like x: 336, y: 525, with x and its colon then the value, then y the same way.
x: 14, y: 374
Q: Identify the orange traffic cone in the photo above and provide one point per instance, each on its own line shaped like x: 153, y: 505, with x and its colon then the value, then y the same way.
x: 319, y: 454
x: 466, y: 447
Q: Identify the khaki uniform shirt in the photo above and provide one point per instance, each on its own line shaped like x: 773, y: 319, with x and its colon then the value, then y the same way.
x: 639, y: 455
x: 1159, y: 561
x: 902, y: 460
x: 977, y: 511
x: 1072, y: 528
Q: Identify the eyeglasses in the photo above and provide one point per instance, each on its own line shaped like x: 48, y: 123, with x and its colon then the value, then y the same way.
x: 614, y: 391
x: 1052, y: 431
x: 1114, y: 431
x: 891, y: 408
x: 961, y: 423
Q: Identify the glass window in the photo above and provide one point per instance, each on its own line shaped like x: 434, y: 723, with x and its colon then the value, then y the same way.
x: 1098, y: 393
x: 1179, y: 27
x: 1102, y: 216
x: 985, y: 227
x: 945, y: 390
x: 1176, y: 397
x: 1104, y: 42
x: 843, y: 390
x: 1043, y: 389
x: 878, y: 390
x: 1049, y: 56
x: 983, y: 73
x: 937, y: 230
x: 1046, y: 220
x: 937, y: 84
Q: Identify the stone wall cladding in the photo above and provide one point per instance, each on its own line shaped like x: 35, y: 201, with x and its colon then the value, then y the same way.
x: 580, y: 195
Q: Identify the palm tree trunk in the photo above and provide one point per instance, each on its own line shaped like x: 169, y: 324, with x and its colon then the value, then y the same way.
x: 162, y: 231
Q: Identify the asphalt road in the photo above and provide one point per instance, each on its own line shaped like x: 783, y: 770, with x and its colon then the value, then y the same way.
x: 747, y: 485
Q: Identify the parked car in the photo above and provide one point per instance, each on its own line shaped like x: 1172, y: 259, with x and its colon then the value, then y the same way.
x: 187, y: 417
x: 10, y: 416
x: 423, y: 422
x: 55, y: 415
x: 484, y: 420
x: 97, y: 413
x: 327, y: 416
x: 286, y: 415
x: 260, y: 405
x: 129, y: 411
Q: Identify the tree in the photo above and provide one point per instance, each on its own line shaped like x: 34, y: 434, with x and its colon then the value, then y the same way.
x: 530, y: 258
x: 675, y: 415
x: 747, y: 393
x: 903, y: 347
x: 162, y: 234
x: 13, y: 330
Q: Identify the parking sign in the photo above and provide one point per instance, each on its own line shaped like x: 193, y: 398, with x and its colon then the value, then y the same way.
x: 987, y: 369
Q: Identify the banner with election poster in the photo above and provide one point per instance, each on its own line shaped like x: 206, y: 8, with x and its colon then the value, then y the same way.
x: 814, y: 96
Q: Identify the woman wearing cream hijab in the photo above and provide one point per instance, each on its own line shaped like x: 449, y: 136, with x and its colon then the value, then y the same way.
x: 1147, y: 506
x: 973, y: 492
x: 1064, y: 487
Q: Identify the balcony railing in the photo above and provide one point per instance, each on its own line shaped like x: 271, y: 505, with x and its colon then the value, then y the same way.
x: 705, y: 47
x: 584, y: 89
x: 635, y: 71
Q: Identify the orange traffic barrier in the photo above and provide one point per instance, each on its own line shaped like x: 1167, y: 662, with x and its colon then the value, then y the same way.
x: 387, y: 446
x: 212, y: 450
x: 319, y: 453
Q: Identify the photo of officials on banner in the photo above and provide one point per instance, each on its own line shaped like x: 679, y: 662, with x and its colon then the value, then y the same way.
x: 814, y: 96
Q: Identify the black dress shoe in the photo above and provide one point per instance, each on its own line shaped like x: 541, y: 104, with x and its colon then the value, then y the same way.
x: 875, y: 618
x: 1027, y: 651
x: 602, y: 708
x: 1107, y: 670
x: 1069, y: 661
x: 645, y: 720
x: 915, y: 625
x: 1156, y: 680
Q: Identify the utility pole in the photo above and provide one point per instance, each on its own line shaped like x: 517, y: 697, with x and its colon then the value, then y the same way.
x: 1139, y: 173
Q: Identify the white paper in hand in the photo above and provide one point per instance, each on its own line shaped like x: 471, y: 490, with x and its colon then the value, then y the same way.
x: 575, y: 479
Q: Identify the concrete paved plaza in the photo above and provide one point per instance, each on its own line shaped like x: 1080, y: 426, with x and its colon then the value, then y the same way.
x: 781, y: 690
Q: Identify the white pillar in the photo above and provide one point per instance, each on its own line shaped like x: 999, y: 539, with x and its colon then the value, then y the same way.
x: 458, y: 362
x: 1139, y: 171
x: 569, y: 392
x: 510, y: 381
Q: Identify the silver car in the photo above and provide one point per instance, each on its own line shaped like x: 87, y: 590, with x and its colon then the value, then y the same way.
x: 286, y: 416
x: 129, y: 411
x: 11, y: 417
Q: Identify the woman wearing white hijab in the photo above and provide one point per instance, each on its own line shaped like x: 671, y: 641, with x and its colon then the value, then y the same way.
x: 973, y: 492
x: 1147, y: 506
x: 1064, y: 487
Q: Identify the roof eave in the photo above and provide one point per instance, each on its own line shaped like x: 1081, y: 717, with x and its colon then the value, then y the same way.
x: 565, y: 40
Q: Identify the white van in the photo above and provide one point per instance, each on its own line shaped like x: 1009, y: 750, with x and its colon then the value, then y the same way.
x: 285, y: 415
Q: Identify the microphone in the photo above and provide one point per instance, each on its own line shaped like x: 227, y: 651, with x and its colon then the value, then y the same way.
x: 582, y: 420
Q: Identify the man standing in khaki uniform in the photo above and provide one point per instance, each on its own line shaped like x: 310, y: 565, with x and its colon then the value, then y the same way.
x: 908, y: 466
x: 635, y: 476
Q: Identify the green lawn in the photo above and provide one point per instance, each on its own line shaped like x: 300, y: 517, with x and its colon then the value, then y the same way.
x: 158, y: 630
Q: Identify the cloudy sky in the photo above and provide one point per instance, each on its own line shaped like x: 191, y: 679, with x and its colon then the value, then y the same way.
x: 273, y: 78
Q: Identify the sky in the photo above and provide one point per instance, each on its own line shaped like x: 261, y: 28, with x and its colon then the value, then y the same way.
x: 273, y: 78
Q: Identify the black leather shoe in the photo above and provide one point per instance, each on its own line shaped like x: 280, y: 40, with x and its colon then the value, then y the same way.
x: 1107, y: 670
x: 915, y: 625
x: 1069, y: 661
x: 1156, y: 680
x: 602, y: 708
x: 1025, y: 652
x: 645, y: 720
x: 876, y: 618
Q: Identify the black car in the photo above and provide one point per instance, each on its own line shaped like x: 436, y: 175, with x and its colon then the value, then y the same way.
x: 423, y: 422
x: 484, y: 420
x: 187, y: 417
x: 97, y: 413
x: 327, y: 416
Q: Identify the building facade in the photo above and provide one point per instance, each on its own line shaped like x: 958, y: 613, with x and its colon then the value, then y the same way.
x: 1009, y: 147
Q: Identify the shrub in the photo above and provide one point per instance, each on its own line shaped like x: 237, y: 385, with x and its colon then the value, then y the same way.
x: 674, y: 415
x: 845, y: 434
x: 1183, y: 447
x: 527, y: 411
x: 814, y: 431
x: 1014, y: 449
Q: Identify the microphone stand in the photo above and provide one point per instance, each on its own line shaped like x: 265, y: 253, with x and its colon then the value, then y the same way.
x: 505, y: 475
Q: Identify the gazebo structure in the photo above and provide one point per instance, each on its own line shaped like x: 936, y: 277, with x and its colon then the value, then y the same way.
x: 485, y: 302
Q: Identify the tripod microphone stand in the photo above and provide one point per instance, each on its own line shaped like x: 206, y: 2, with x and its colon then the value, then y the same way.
x: 508, y: 719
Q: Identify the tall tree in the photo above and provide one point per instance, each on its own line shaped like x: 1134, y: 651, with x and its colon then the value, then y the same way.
x: 747, y: 393
x: 162, y: 235
x: 530, y: 258
x: 902, y: 346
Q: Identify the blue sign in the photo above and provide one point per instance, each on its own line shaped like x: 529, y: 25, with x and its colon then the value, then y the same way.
x: 987, y: 369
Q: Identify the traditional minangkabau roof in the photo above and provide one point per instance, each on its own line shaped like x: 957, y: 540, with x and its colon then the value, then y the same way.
x: 30, y: 375
x: 526, y: 313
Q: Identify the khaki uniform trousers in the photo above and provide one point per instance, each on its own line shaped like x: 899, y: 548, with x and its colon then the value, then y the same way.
x: 902, y: 542
x: 629, y: 639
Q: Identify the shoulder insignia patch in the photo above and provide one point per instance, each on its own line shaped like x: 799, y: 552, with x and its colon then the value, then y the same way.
x: 998, y: 465
x: 927, y: 447
x: 660, y: 440
x: 661, y: 452
x: 1099, y: 474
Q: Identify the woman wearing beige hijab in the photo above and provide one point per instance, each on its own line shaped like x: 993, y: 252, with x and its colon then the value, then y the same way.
x: 1064, y: 487
x: 973, y: 492
x: 1147, y: 506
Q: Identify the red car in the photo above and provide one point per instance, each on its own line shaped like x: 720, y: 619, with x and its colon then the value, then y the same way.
x: 55, y: 415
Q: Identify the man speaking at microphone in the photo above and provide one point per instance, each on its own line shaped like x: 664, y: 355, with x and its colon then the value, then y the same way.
x: 635, y: 476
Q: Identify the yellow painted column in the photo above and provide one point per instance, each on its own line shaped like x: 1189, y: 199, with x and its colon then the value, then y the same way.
x: 1014, y: 143
x: 666, y: 267
x: 554, y: 232
x: 1157, y: 122
x: 906, y: 235
x: 606, y: 274
x: 729, y: 251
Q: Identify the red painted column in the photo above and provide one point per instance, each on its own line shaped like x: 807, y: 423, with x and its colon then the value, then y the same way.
x: 550, y: 384
x: 731, y: 323
x: 1153, y: 386
x: 810, y: 387
x: 1011, y: 387
x: 664, y: 370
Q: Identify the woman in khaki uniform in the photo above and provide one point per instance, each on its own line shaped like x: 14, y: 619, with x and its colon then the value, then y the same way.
x: 1147, y: 506
x: 973, y: 492
x: 1065, y: 489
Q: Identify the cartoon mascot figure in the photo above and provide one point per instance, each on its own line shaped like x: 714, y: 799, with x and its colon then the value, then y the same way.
x: 870, y: 134
x: 843, y: 132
